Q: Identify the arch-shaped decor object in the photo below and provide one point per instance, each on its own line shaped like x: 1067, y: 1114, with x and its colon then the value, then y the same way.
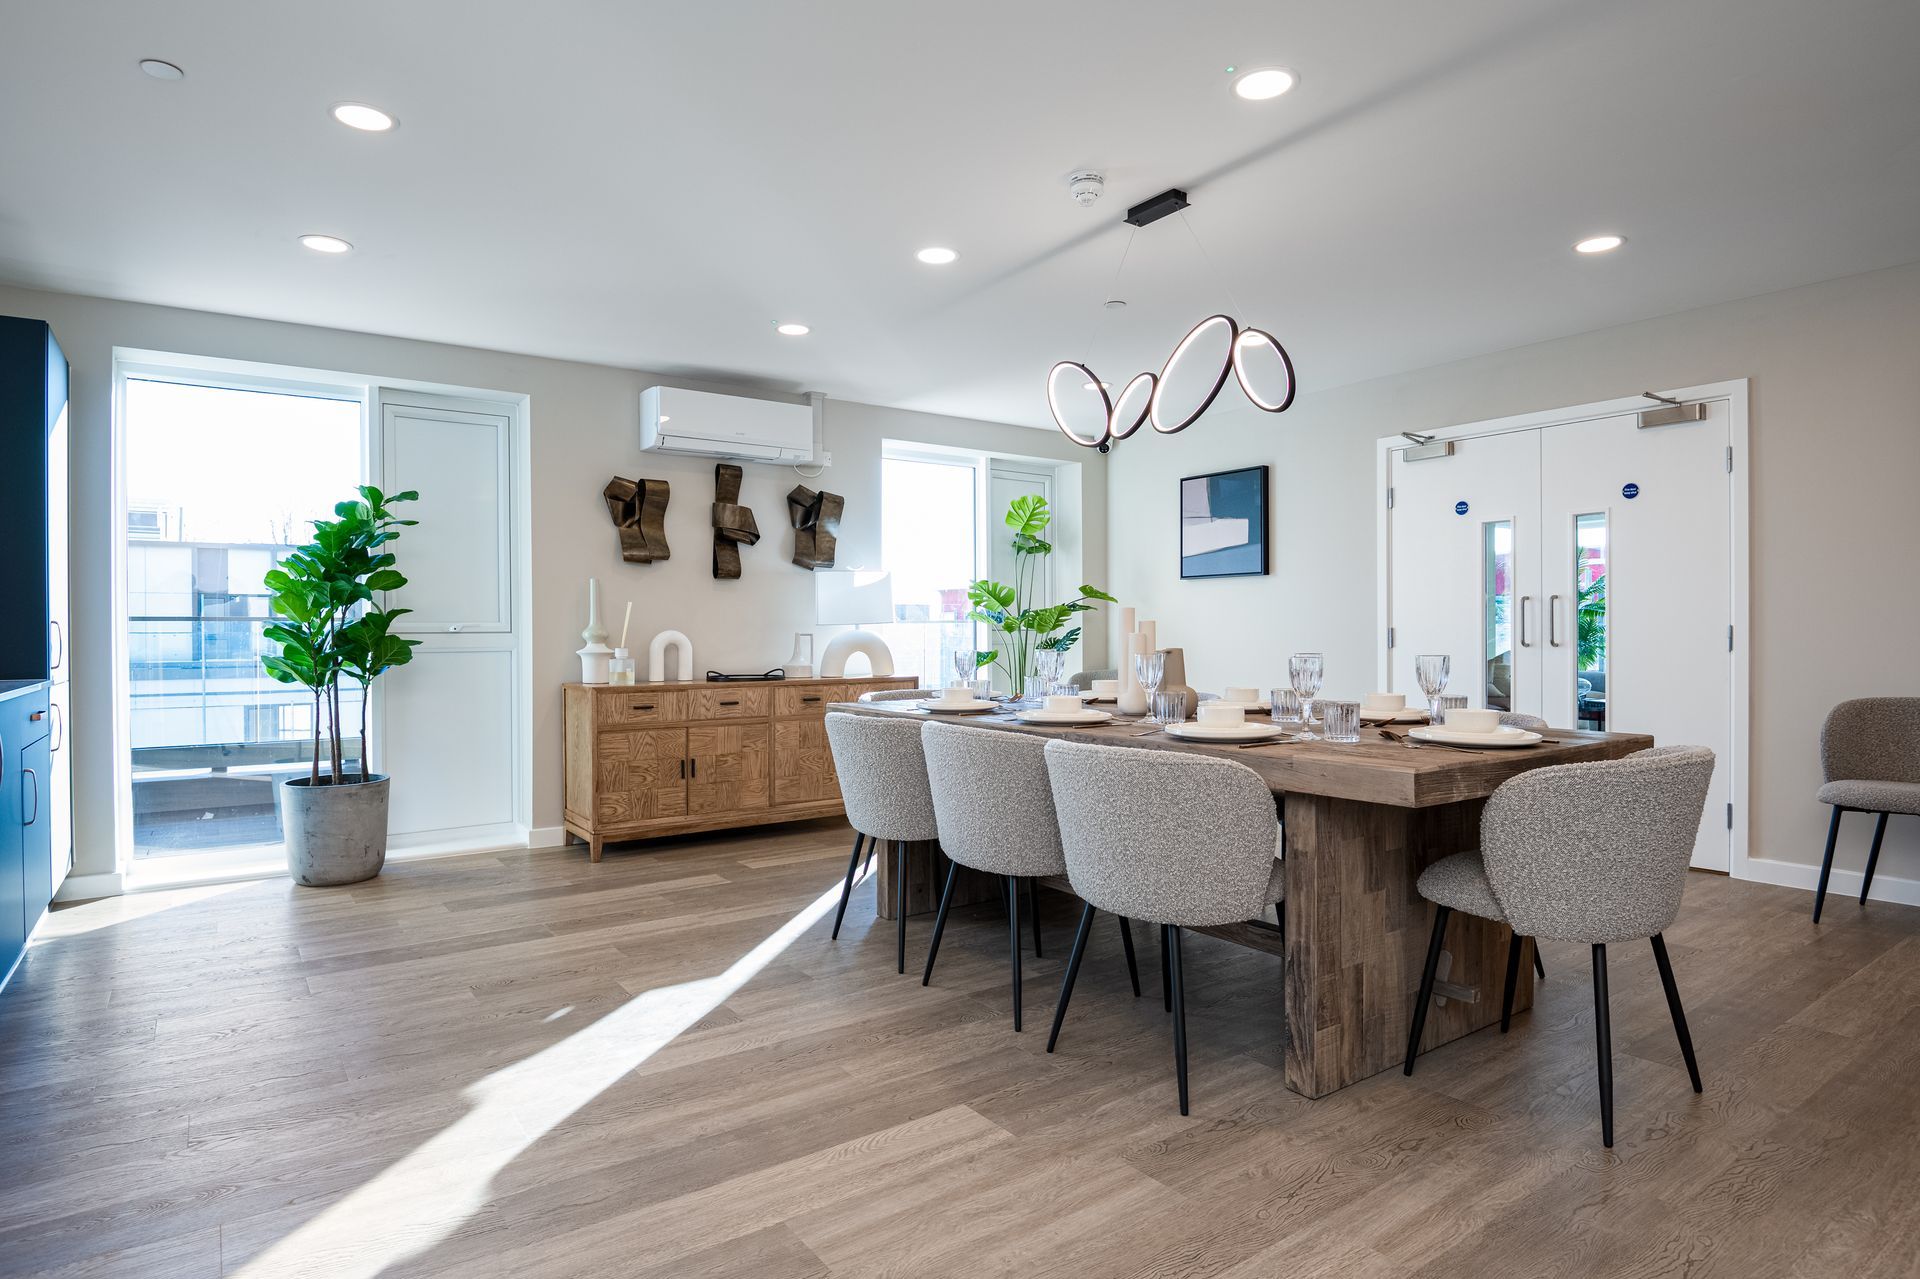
x: 657, y: 656
x: 833, y: 662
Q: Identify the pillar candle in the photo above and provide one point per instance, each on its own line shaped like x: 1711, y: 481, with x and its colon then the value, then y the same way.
x: 1132, y: 699
x: 1151, y: 631
x: 1126, y: 628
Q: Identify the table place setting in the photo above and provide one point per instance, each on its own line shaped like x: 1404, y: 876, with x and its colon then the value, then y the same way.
x: 958, y: 699
x: 1475, y: 729
x: 1064, y: 710
x: 1226, y: 723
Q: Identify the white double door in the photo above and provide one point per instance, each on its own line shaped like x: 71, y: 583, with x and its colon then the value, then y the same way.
x: 1581, y: 572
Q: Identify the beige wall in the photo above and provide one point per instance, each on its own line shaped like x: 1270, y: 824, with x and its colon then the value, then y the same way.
x: 585, y: 428
x: 1835, y: 420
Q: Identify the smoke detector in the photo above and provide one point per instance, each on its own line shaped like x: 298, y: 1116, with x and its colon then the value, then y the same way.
x: 1086, y: 186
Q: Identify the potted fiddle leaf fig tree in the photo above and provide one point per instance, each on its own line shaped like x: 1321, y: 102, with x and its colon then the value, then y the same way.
x: 1026, y: 630
x: 327, y: 629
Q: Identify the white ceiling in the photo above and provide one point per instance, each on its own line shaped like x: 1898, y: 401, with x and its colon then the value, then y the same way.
x: 654, y: 185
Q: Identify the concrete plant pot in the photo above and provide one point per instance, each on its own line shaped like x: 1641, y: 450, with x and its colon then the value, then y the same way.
x: 335, y: 834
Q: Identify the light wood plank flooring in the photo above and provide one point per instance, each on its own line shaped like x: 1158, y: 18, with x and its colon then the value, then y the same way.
x: 659, y: 1066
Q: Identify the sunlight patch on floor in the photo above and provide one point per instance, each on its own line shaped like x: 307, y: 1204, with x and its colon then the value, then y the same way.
x: 421, y: 1200
x: 77, y: 921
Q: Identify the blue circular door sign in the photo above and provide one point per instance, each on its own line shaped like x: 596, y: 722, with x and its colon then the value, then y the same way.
x: 1630, y: 491
x: 1459, y: 508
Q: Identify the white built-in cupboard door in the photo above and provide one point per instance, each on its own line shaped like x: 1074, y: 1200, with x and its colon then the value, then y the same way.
x: 458, y: 561
x: 1464, y: 569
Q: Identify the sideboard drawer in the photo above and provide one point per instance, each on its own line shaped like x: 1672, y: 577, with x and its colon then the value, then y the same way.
x: 727, y: 703
x: 634, y: 706
x: 809, y: 699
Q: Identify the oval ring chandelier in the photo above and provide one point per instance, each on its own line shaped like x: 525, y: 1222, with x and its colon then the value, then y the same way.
x: 1187, y: 384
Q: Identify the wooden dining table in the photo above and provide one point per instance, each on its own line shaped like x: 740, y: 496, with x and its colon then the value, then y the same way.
x: 1361, y: 821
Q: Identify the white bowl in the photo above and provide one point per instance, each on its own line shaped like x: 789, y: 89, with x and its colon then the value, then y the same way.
x: 1063, y: 703
x: 1462, y: 720
x: 1214, y: 715
x: 1106, y: 688
x: 1383, y: 703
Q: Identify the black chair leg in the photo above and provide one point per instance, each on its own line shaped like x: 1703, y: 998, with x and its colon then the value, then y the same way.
x: 1513, y: 980
x: 846, y: 889
x: 1826, y: 863
x: 940, y: 920
x: 1539, y: 969
x: 1673, y: 1006
x: 1179, y: 1013
x: 900, y: 900
x: 1166, y: 972
x: 1440, y: 916
x: 1126, y: 940
x: 1013, y: 936
x: 1603, y: 1041
x: 1073, y: 971
x: 1033, y: 908
x: 1873, y: 856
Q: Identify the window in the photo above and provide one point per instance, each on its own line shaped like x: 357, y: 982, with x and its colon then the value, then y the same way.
x: 1590, y: 620
x: 1497, y: 612
x: 928, y: 541
x: 222, y: 482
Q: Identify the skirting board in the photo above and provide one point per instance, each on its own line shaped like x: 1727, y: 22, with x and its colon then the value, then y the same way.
x: 86, y: 888
x: 547, y: 837
x: 1842, y: 884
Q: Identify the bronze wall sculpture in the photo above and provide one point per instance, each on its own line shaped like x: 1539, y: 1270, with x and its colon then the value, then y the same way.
x: 639, y: 510
x: 733, y: 524
x: 816, y: 525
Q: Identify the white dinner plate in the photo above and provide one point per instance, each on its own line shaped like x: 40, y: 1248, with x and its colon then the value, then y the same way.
x: 1063, y: 717
x: 1398, y: 717
x: 1229, y: 732
x: 1500, y: 738
x: 973, y: 707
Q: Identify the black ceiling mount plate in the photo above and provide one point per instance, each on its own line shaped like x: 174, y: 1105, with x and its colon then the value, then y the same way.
x: 1172, y: 200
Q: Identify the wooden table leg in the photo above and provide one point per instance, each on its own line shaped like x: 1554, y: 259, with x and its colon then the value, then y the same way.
x: 926, y: 874
x: 1357, y: 933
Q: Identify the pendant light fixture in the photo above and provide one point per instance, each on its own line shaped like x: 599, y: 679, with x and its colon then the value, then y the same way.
x: 1187, y: 384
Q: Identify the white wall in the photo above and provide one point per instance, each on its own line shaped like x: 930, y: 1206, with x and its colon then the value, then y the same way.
x: 585, y: 429
x: 1835, y: 371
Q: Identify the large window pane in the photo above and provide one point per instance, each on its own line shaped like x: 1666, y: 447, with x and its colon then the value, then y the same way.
x: 221, y: 483
x: 927, y: 542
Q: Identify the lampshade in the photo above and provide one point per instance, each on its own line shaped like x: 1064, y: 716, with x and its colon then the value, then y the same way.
x: 852, y: 597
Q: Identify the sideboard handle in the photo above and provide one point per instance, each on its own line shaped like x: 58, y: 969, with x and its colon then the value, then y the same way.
x: 730, y: 703
x: 641, y: 706
x: 814, y: 698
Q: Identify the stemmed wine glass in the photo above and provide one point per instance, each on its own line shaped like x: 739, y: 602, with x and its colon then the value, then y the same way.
x: 1432, y: 669
x: 1306, y: 671
x: 1150, y: 667
x: 966, y: 667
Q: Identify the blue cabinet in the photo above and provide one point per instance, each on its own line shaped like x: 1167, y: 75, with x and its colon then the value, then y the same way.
x: 26, y: 867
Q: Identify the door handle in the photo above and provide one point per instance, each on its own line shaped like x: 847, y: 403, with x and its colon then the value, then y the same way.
x: 694, y: 769
x: 1524, y: 641
x: 59, y: 644
x: 59, y: 727
x: 27, y: 774
x: 1553, y: 621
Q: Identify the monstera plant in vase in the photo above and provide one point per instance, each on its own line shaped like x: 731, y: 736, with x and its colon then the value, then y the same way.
x: 327, y: 630
x: 1024, y: 630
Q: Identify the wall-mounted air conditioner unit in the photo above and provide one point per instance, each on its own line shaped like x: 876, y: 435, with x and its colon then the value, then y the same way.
x: 705, y: 424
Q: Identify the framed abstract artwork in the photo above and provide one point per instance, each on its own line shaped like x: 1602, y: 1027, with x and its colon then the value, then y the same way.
x: 1223, y: 523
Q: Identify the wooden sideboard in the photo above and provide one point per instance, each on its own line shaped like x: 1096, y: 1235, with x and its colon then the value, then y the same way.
x: 665, y: 759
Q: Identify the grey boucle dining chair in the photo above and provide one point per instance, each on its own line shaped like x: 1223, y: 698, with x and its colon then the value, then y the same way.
x: 994, y: 810
x: 899, y: 694
x: 1182, y: 840
x: 883, y: 785
x: 1592, y: 853
x: 1870, y: 763
x: 1517, y: 719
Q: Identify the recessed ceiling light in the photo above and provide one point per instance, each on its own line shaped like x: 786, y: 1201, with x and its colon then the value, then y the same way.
x: 161, y: 70
x: 358, y: 115
x: 1600, y: 244
x: 325, y: 243
x: 1263, y: 83
x: 936, y: 256
x: 792, y: 330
